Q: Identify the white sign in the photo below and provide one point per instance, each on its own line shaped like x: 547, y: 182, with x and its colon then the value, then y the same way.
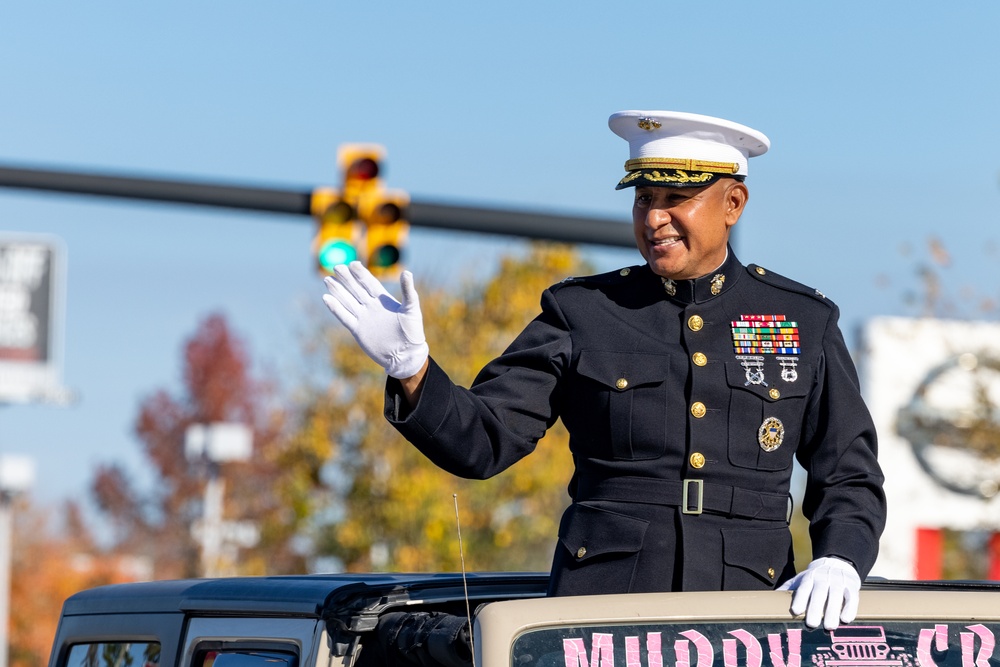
x: 17, y: 473
x: 219, y: 441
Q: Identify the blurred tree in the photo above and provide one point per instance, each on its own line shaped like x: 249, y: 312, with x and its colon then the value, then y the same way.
x: 48, y: 565
x: 157, y: 522
x: 933, y: 291
x: 396, y: 509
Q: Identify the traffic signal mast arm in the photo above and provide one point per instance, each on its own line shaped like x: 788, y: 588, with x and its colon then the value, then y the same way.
x: 542, y: 226
x: 527, y: 224
x: 158, y: 189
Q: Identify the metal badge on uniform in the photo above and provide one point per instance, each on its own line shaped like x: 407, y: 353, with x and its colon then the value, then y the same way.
x: 717, y: 281
x: 754, y: 368
x: 770, y: 434
x: 765, y: 334
x: 788, y: 366
x: 669, y: 286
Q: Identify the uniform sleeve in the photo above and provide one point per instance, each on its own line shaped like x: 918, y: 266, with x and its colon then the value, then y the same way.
x: 481, y: 431
x: 843, y: 501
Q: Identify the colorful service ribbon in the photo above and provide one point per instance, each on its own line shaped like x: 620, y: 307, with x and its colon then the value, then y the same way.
x: 765, y: 334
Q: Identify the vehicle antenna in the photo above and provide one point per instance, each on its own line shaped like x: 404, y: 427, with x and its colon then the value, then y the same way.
x: 465, y: 584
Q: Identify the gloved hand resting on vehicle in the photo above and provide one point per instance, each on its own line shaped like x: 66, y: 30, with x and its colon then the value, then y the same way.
x: 390, y: 332
x: 828, y: 591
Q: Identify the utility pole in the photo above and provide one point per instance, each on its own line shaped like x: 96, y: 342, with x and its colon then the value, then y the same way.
x: 210, y: 445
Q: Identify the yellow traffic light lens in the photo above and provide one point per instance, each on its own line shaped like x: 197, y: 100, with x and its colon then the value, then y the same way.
x: 334, y: 253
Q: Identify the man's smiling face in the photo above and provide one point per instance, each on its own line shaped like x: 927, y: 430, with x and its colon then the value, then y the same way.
x: 682, y: 232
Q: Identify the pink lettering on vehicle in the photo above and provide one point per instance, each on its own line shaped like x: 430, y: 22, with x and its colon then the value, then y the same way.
x: 794, y: 649
x: 632, y: 657
x: 654, y: 649
x: 940, y: 636
x: 847, y: 646
x: 682, y: 648
x: 602, y: 651
x: 987, y: 642
x: 706, y: 654
x: 755, y: 655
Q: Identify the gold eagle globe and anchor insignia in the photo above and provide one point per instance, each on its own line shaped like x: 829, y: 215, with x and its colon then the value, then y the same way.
x: 771, y: 434
x: 649, y: 124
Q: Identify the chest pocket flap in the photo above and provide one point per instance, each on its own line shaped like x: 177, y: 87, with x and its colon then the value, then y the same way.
x: 622, y: 371
x: 628, y: 407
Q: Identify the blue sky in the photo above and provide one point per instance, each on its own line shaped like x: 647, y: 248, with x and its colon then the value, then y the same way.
x: 882, y: 118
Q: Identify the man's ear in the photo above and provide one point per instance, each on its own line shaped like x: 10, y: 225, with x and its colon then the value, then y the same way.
x: 736, y: 200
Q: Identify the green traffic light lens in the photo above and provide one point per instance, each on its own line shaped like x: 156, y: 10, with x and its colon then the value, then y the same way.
x: 335, y: 253
x: 384, y: 256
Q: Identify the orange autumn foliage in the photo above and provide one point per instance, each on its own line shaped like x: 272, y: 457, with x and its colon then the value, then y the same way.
x: 49, y: 564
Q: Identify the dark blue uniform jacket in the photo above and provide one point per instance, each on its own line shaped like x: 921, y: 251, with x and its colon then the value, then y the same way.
x: 686, y: 403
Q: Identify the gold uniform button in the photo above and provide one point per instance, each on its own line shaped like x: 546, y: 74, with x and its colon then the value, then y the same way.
x: 698, y: 409
x: 625, y: 272
x: 775, y: 394
x: 760, y: 270
x: 582, y: 551
x: 697, y: 460
x: 695, y: 323
x: 699, y: 359
x: 621, y: 383
x: 770, y: 572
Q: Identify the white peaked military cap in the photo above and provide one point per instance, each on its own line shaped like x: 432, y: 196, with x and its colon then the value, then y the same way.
x: 677, y: 149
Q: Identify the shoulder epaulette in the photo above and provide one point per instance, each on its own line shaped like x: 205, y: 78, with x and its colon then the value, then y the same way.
x: 609, y: 278
x: 780, y: 281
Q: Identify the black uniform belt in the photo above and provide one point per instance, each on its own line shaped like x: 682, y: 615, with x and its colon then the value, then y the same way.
x: 692, y: 496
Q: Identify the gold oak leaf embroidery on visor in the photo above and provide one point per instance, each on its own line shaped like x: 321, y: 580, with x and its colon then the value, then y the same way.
x: 680, y: 177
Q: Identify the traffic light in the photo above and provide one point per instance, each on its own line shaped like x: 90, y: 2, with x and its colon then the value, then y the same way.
x: 387, y: 230
x: 363, y: 221
x: 339, y: 235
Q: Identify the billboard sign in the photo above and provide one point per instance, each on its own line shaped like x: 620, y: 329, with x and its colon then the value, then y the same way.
x: 31, y: 315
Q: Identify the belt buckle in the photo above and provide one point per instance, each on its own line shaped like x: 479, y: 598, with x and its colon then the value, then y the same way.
x: 700, y: 485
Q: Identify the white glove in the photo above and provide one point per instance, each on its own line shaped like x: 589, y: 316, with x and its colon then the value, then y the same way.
x: 830, y: 587
x: 390, y: 332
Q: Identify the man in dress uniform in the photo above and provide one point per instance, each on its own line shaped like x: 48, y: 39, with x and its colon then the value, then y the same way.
x: 688, y: 385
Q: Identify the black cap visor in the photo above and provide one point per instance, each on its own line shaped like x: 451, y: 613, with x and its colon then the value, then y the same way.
x: 671, y: 178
